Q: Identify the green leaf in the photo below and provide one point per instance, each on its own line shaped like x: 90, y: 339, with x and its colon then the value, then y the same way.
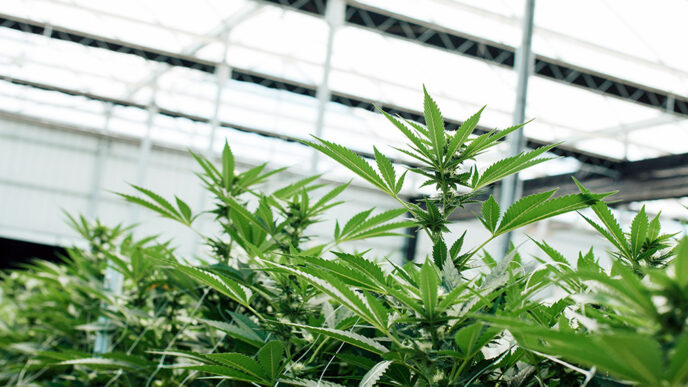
x: 184, y: 209
x: 455, y: 249
x: 199, y: 357
x: 451, y: 278
x: 627, y: 289
x: 638, y: 352
x: 354, y: 339
x: 451, y: 298
x: 351, y: 160
x: 337, y: 230
x: 428, y: 283
x: 612, y: 225
x: 400, y: 183
x: 158, y: 199
x: 270, y: 357
x: 517, y: 211
x: 491, y: 213
x: 435, y: 124
x: 418, y: 156
x: 244, y: 214
x: 603, y: 232
x: 308, y: 382
x: 380, y: 218
x: 364, y: 266
x: 511, y: 165
x: 264, y: 214
x: 208, y: 167
x: 227, y: 167
x: 677, y: 373
x: 253, y: 177
x: 681, y: 262
x: 626, y: 355
x: 240, y: 362
x: 356, y: 360
x: 422, y: 130
x: 420, y: 146
x: 487, y: 140
x: 535, y: 207
x: 386, y: 169
x: 334, y: 288
x: 355, y: 221
x: 361, y: 227
x: 654, y: 227
x: 468, y: 339
x: 227, y: 372
x: 322, y: 202
x: 151, y: 206
x: 374, y: 374
x: 439, y: 252
x: 638, y: 231
x: 379, y: 311
x: 551, y: 252
x: 462, y: 133
x: 223, y: 285
x: 238, y: 332
x: 290, y: 190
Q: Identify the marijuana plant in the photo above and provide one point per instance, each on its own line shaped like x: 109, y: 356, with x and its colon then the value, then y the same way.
x: 271, y: 305
x: 347, y: 317
x: 631, y: 323
x: 51, y: 313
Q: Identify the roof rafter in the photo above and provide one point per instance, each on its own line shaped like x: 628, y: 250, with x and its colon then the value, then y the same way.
x: 399, y: 26
x: 174, y: 59
x: 664, y: 177
x: 219, y: 32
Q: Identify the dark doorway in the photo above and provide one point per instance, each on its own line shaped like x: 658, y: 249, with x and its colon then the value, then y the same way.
x: 15, y: 252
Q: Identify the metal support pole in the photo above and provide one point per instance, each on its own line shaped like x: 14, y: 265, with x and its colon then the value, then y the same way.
x: 101, y: 155
x: 112, y: 282
x: 334, y: 15
x: 222, y: 73
x: 144, y: 153
x: 512, y: 186
x: 146, y: 144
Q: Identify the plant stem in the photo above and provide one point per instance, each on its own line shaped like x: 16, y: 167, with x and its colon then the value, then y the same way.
x: 472, y: 253
x: 317, y: 350
x: 255, y: 312
x: 458, y: 372
x: 403, y: 203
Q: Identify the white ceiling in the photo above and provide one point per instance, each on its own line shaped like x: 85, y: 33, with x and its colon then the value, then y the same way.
x: 626, y: 39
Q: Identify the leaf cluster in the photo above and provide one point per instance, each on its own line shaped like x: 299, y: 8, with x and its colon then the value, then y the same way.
x: 272, y: 304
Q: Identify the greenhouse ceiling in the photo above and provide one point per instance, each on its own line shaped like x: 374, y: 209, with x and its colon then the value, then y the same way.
x: 607, y: 81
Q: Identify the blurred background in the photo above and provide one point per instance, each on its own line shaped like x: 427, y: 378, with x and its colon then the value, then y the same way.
x: 95, y: 95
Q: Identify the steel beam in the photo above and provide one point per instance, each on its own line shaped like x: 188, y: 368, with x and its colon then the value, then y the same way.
x: 269, y: 81
x: 176, y: 114
x: 334, y: 15
x: 613, y: 131
x: 404, y: 27
x: 511, y: 186
x: 220, y: 32
x: 663, y: 177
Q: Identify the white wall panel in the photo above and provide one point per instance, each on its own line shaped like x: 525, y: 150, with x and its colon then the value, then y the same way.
x: 45, y: 167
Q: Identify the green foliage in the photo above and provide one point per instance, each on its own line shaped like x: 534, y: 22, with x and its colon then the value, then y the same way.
x: 631, y: 323
x: 271, y: 305
x: 50, y: 313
